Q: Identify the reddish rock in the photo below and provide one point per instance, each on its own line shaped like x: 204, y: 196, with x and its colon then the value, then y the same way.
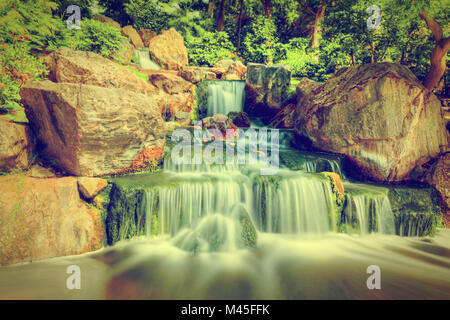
x: 45, y: 218
x: 146, y: 35
x: 379, y: 115
x: 168, y: 50
x: 285, y: 118
x: 438, y: 176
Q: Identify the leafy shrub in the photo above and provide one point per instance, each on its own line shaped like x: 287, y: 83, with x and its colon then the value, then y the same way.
x: 97, y: 37
x: 208, y: 48
x: 147, y: 14
x: 259, y: 40
x: 17, y: 66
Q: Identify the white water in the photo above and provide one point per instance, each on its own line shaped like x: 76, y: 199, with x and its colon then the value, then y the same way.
x: 225, y: 96
x: 145, y: 62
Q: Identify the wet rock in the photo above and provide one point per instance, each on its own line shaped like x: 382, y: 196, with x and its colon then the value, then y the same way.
x: 240, y: 119
x: 437, y: 175
x: 378, y: 115
x: 44, y: 218
x: 269, y: 85
x: 416, y: 211
x: 168, y: 50
x: 220, y: 123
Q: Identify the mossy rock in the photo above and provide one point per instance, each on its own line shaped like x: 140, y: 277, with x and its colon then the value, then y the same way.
x: 416, y: 211
x: 337, y: 189
x: 125, y: 216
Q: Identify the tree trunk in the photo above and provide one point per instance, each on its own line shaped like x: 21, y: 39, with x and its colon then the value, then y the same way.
x: 241, y: 11
x: 373, y: 58
x: 439, y: 53
x: 221, y: 19
x: 317, y: 29
x: 267, y: 4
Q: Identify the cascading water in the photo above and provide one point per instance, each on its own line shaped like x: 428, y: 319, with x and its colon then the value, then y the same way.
x: 203, y: 222
x: 368, y: 210
x: 143, y: 56
x: 225, y: 96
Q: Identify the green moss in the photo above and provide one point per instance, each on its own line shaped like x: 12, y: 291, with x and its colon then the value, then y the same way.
x: 202, y: 100
x: 249, y: 235
x: 416, y: 211
x: 125, y: 215
x: 136, y: 73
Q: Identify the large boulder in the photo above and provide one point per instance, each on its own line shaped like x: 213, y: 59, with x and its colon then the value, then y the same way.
x: 168, y: 50
x: 271, y: 83
x: 176, y: 97
x: 81, y: 67
x: 305, y: 87
x: 14, y: 145
x: 379, y: 115
x: 169, y: 82
x: 44, y: 218
x: 133, y: 36
x: 285, y: 118
x: 90, y: 131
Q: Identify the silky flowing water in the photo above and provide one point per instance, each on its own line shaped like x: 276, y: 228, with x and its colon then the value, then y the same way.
x: 228, y: 232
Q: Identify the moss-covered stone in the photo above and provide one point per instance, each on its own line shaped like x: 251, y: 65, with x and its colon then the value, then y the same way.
x: 337, y: 189
x: 416, y: 211
x: 125, y: 216
x: 201, y: 110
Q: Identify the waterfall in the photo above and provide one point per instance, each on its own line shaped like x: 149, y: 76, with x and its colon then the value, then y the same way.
x: 143, y: 56
x: 225, y: 96
x: 294, y: 202
x: 290, y: 202
x: 367, y: 210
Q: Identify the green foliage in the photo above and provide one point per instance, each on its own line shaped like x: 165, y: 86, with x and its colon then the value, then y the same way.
x: 258, y: 42
x: 97, y: 37
x: 84, y: 6
x: 208, y: 48
x: 17, y: 66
